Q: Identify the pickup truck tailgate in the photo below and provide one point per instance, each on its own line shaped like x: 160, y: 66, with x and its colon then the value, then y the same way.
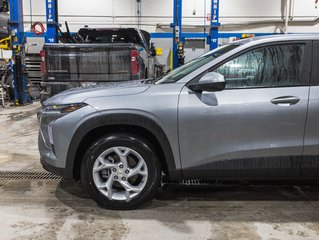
x: 87, y: 62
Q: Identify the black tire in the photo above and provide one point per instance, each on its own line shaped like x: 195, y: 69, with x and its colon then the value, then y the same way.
x: 138, y: 144
x: 146, y: 74
x: 9, y: 85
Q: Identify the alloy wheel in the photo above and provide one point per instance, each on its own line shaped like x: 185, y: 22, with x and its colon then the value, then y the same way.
x: 120, y: 173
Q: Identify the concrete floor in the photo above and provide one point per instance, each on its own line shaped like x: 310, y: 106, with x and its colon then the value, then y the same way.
x: 49, y: 209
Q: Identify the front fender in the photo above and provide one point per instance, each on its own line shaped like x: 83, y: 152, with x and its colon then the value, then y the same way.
x: 118, y: 119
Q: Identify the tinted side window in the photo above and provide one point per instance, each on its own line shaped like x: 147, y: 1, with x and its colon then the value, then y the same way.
x: 271, y: 66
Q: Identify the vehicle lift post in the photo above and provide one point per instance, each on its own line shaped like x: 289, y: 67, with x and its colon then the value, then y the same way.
x: 21, y: 95
x: 16, y: 24
x: 212, y: 39
x: 178, y: 40
x: 52, y: 21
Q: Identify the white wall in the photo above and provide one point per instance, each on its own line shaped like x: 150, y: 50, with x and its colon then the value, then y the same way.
x: 105, y: 13
x: 251, y: 10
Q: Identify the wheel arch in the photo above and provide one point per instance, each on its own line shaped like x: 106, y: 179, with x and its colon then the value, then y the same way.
x: 139, y: 125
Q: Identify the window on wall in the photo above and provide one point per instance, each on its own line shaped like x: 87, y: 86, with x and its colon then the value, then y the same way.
x: 272, y: 66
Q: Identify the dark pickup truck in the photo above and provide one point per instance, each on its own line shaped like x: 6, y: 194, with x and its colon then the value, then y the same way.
x: 105, y: 55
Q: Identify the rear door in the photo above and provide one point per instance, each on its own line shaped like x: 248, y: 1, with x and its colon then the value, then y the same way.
x: 255, y: 127
x: 310, y: 161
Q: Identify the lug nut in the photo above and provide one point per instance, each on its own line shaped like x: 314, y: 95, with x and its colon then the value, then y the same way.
x: 116, y: 177
x: 114, y: 169
x: 121, y: 166
x: 123, y: 178
x: 127, y: 171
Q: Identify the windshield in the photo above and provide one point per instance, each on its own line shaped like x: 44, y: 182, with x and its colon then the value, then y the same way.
x: 191, y: 66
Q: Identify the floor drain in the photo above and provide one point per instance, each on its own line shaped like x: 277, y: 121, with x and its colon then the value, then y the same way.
x: 12, y: 175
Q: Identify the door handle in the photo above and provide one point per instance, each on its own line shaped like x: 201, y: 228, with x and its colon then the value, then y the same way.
x: 285, y: 101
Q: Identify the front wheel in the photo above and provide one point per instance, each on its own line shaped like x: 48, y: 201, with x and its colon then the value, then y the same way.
x: 120, y: 171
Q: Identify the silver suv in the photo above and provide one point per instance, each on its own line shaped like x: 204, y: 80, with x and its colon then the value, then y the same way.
x: 247, y: 110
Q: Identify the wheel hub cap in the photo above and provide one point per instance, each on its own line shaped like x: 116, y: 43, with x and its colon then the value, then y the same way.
x: 120, y: 173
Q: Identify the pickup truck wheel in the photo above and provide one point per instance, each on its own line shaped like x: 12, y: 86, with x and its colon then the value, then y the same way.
x: 120, y: 171
x: 146, y: 74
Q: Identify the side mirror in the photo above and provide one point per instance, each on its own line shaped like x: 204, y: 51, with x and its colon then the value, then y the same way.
x: 210, y: 82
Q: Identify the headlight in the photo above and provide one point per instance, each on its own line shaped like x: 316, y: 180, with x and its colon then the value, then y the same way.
x: 64, y: 108
x: 49, y: 114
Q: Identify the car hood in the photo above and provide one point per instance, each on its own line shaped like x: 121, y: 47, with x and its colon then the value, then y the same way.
x: 80, y: 94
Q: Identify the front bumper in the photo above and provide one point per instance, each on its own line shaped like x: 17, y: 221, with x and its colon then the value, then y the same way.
x: 55, y: 136
x: 57, y: 171
x: 49, y: 161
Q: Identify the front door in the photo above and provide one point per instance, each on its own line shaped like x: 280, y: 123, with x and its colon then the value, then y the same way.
x: 255, y: 127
